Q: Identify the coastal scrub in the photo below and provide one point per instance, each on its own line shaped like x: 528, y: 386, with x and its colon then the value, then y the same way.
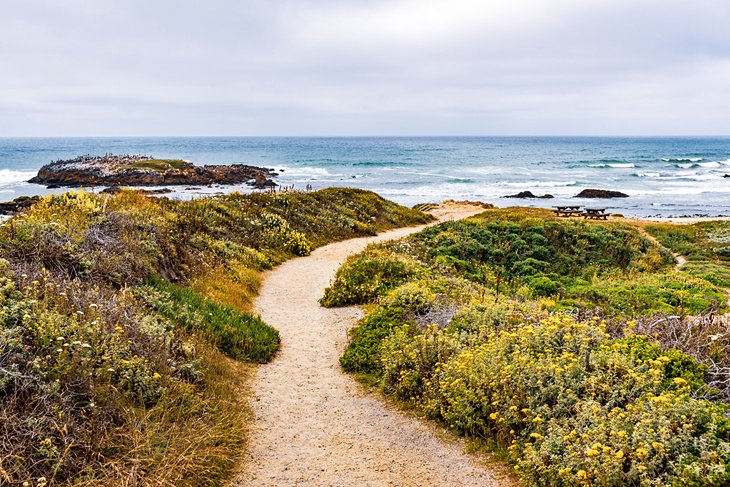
x: 550, y: 341
x: 111, y: 366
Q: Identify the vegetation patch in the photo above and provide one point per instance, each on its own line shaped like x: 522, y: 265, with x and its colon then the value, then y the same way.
x: 238, y: 334
x: 160, y: 164
x: 117, y: 323
x: 573, y: 348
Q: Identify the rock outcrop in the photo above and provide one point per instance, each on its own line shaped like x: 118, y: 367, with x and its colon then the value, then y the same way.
x: 528, y: 194
x: 138, y: 170
x: 600, y: 193
x: 12, y: 207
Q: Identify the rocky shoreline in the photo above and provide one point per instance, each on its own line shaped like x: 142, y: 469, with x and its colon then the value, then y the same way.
x: 141, y: 170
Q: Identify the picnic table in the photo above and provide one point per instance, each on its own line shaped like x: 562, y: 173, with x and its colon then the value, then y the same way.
x: 596, y: 213
x: 567, y: 210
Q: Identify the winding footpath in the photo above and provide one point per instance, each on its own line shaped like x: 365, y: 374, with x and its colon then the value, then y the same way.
x: 313, y: 424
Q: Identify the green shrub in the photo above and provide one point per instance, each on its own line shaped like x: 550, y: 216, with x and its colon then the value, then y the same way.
x: 372, y: 273
x: 544, y: 286
x: 361, y: 354
x: 238, y: 334
x: 569, y: 404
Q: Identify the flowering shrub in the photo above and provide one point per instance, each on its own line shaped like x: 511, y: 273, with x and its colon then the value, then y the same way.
x: 570, y: 404
x: 365, y: 276
x: 521, y: 363
x: 297, y: 243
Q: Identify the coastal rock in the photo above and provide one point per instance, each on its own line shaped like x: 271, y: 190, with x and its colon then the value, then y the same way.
x: 528, y: 194
x: 139, y: 170
x: 600, y: 193
x: 117, y: 189
x: 262, y: 182
x: 12, y: 207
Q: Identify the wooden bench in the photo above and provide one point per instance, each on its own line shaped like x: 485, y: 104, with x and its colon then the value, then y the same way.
x: 567, y: 211
x: 596, y: 214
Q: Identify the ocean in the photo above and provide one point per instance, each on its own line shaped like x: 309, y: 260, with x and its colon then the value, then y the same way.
x: 663, y: 176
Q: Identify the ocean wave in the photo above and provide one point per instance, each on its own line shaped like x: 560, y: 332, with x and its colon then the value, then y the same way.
x: 373, y: 163
x: 682, y: 159
x: 711, y: 164
x: 304, y: 171
x: 12, y: 176
x: 309, y: 161
x: 613, y: 164
x: 648, y: 174
x: 623, y: 164
x: 706, y: 165
x: 539, y: 184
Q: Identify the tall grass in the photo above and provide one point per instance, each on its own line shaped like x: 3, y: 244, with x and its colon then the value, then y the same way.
x: 238, y: 334
x: 125, y: 328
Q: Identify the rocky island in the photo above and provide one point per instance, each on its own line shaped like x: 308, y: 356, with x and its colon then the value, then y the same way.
x: 140, y: 170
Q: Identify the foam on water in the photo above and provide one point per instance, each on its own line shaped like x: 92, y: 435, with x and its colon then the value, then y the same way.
x: 682, y: 159
x: 619, y: 165
x: 13, y: 176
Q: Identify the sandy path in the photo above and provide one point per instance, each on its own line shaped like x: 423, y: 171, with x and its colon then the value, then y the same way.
x: 313, y: 424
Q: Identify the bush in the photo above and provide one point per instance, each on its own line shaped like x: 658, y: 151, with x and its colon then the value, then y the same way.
x: 100, y: 388
x: 569, y: 404
x: 239, y: 335
x: 544, y: 286
x: 365, y: 276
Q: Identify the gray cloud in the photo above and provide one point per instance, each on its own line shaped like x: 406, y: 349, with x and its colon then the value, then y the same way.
x: 225, y: 67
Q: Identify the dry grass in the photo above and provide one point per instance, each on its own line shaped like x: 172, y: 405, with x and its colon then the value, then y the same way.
x: 235, y: 285
x: 168, y: 448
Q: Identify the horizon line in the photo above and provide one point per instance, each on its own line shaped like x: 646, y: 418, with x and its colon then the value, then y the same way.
x: 6, y: 137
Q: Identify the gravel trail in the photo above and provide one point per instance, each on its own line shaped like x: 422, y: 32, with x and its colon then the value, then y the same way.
x: 313, y: 424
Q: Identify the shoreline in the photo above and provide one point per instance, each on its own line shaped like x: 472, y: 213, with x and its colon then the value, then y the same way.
x: 683, y: 177
x: 187, y: 194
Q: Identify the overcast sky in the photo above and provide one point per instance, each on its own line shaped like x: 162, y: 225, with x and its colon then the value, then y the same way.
x: 364, y: 67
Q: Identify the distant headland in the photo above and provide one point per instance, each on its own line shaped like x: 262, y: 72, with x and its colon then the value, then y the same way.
x: 141, y: 170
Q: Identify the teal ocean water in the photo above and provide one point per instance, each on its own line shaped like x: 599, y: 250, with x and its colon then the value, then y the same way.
x: 664, y: 176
